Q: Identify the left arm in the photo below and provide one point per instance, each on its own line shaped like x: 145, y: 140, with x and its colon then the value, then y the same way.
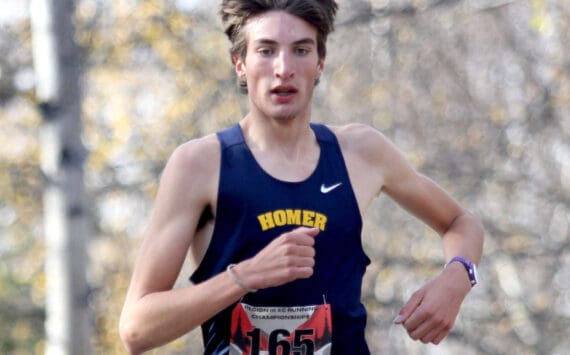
x: 430, y: 313
x: 376, y: 165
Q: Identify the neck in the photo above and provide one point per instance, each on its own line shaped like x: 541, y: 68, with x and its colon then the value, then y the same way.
x: 291, y: 139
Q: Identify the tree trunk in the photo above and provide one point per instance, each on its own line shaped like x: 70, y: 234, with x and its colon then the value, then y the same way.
x: 57, y: 66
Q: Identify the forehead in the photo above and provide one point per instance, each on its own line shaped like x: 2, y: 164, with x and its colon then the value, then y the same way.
x: 279, y: 26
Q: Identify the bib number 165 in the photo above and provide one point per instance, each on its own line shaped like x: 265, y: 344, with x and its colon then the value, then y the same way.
x: 280, y: 339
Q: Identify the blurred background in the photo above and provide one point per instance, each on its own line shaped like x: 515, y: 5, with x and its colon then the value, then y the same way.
x: 475, y: 92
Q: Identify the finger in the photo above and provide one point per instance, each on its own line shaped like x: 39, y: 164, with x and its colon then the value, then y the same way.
x: 417, y: 318
x: 303, y: 272
x: 300, y: 250
x: 289, y: 256
x: 304, y: 262
x: 425, y: 333
x: 297, y: 239
x: 295, y: 267
x: 312, y: 232
x: 439, y: 338
x: 435, y: 336
x: 293, y: 262
x: 409, y: 308
x: 417, y: 325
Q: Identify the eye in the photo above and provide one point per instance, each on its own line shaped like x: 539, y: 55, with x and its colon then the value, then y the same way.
x: 302, y: 51
x: 265, y: 51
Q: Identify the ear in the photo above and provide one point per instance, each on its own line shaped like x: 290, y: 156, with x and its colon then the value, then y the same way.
x: 320, y: 67
x: 239, y: 66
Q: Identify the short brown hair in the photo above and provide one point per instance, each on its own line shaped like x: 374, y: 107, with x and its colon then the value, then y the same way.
x: 235, y: 13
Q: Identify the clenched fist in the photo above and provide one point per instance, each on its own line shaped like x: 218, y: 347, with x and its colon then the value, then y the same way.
x: 289, y: 257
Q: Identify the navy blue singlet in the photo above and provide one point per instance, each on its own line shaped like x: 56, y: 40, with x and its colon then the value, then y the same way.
x: 253, y: 208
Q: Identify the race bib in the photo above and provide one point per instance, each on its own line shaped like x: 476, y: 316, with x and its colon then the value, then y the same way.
x: 302, y: 330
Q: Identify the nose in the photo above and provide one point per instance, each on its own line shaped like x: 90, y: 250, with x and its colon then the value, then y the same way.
x: 283, y: 66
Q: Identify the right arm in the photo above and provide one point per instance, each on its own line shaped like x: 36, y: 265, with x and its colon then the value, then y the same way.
x: 154, y: 313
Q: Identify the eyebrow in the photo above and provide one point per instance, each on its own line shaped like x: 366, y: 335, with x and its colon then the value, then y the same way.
x: 296, y: 43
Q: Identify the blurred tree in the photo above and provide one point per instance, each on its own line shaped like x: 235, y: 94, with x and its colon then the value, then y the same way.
x: 21, y: 243
x: 57, y: 68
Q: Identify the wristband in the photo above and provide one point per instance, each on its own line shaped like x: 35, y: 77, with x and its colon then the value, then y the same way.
x: 469, y: 267
x: 237, y: 281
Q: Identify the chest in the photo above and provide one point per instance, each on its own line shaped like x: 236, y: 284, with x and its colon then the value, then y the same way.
x: 287, y: 167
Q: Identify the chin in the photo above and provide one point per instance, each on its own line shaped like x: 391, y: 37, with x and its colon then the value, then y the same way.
x: 284, y: 116
x: 280, y: 112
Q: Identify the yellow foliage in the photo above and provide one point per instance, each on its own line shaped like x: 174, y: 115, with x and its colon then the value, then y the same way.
x: 38, y: 283
x: 171, y: 54
x: 40, y: 347
x: 377, y: 93
x: 497, y: 114
x: 152, y: 7
x: 540, y: 21
x: 474, y: 136
x: 178, y: 23
x: 21, y: 331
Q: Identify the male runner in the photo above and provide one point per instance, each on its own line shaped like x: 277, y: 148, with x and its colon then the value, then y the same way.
x: 281, y: 272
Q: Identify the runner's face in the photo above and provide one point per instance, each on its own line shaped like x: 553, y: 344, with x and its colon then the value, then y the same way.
x: 281, y: 65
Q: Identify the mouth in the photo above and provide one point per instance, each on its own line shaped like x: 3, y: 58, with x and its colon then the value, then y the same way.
x: 284, y: 90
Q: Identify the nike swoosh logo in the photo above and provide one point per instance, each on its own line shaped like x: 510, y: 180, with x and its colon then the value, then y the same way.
x: 327, y: 189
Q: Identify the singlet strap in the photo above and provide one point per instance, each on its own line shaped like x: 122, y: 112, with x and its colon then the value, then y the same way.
x: 323, y: 133
x: 233, y: 135
x: 230, y: 136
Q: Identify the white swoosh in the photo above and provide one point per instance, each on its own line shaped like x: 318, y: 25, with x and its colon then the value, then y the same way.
x: 327, y: 189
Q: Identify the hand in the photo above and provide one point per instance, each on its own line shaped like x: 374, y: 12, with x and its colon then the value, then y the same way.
x: 289, y: 257
x: 430, y: 313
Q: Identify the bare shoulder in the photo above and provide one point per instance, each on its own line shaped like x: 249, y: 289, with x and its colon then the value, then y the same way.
x: 363, y: 141
x: 193, y: 168
x: 365, y: 151
x: 197, y: 156
x: 373, y: 161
